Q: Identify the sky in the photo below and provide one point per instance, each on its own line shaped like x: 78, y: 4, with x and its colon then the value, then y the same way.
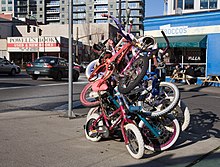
x: 154, y: 8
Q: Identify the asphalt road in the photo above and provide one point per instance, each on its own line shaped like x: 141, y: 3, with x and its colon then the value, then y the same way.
x: 22, y: 93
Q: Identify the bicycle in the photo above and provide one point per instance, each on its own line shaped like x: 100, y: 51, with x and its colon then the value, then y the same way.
x: 159, y: 132
x: 102, y: 125
x: 136, y: 68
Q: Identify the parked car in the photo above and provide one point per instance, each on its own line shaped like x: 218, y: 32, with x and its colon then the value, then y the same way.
x: 52, y: 67
x: 7, y: 67
x: 77, y: 66
x: 84, y: 64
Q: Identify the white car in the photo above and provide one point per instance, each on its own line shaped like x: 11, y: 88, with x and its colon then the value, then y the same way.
x: 7, y: 67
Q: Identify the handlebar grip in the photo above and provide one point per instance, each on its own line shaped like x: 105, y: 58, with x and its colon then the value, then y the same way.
x: 165, y: 37
x: 105, y: 15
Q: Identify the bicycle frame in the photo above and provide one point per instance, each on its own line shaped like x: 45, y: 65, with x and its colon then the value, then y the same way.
x: 108, y: 65
x: 122, y: 120
x: 137, y: 111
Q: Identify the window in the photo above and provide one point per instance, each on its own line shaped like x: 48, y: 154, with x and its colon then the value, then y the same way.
x: 212, y: 4
x: 189, y: 4
x: 9, y: 1
x: 3, y: 8
x: 10, y: 8
x: 63, y: 9
x: 179, y: 4
x: 3, y: 2
x: 204, y: 4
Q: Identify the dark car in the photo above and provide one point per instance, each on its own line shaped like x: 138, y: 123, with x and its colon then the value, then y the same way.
x: 7, y: 67
x: 52, y: 67
x: 84, y: 64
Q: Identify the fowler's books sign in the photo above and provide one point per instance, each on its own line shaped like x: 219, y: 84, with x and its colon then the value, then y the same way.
x: 33, y: 44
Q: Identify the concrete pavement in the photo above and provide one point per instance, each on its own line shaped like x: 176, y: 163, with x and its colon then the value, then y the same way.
x: 37, y: 138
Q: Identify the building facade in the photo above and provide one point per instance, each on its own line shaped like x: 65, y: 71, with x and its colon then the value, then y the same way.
x: 189, y: 6
x: 84, y: 11
x: 19, y: 46
x: 194, y: 39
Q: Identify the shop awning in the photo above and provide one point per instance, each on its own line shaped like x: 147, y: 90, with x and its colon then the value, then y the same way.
x: 198, y: 41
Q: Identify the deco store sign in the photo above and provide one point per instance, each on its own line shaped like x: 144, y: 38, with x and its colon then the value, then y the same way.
x: 33, y: 44
x: 180, y: 30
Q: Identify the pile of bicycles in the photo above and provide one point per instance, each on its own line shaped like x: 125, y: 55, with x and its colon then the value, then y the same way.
x: 130, y: 101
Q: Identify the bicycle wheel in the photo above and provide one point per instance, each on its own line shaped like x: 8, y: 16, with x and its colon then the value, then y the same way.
x: 181, y: 112
x: 92, y: 133
x: 88, y: 97
x: 133, y: 75
x: 166, y: 100
x: 90, y: 68
x: 168, y: 129
x: 135, y: 144
x: 92, y: 111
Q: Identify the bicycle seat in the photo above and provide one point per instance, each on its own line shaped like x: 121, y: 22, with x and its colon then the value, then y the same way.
x: 99, y: 85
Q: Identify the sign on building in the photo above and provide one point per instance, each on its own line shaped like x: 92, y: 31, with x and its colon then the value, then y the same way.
x: 34, y: 44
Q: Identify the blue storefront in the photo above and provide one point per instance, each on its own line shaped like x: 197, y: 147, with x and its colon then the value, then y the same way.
x: 194, y: 39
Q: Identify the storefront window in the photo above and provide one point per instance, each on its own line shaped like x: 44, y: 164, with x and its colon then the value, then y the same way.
x: 196, y: 57
x: 189, y: 4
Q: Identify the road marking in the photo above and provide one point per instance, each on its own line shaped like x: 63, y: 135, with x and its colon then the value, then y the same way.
x: 44, y: 85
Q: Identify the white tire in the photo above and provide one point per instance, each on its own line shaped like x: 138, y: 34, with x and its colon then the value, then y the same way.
x: 90, y: 135
x: 135, y: 144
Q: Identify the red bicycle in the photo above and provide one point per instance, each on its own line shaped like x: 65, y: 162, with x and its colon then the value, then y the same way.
x: 128, y: 73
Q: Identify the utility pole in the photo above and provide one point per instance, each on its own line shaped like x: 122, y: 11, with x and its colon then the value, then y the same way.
x: 70, y: 93
x: 77, y: 45
x: 119, y: 11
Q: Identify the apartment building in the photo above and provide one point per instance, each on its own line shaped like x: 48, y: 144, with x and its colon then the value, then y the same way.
x: 190, y: 6
x: 84, y: 11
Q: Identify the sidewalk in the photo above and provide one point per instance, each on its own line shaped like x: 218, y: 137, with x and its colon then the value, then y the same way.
x: 36, y: 138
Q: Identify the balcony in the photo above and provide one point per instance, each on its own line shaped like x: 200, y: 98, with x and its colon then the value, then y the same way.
x: 79, y: 3
x: 23, y: 4
x: 53, y: 4
x: 21, y: 12
x: 79, y: 10
x: 53, y: 18
x: 52, y: 11
x: 101, y: 10
x: 101, y: 2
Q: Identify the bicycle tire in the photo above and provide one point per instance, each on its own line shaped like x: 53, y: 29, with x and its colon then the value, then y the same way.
x: 129, y: 82
x: 169, y: 129
x: 165, y: 100
x: 135, y: 148
x: 182, y: 113
x: 90, y: 68
x: 91, y: 111
x: 85, y: 96
x: 90, y: 135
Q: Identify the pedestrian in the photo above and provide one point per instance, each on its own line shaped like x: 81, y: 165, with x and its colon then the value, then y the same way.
x: 190, y: 74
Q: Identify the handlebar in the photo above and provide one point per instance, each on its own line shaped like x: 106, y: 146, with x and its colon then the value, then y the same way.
x: 167, y: 41
x: 120, y: 27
